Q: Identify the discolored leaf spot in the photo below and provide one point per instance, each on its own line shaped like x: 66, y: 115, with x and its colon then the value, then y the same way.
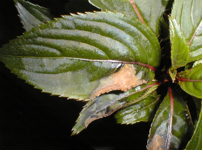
x: 172, y: 125
x: 123, y: 80
x: 107, y: 104
x: 157, y: 143
x: 69, y: 56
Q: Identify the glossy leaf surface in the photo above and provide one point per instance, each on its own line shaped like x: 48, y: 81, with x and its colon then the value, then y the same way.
x: 195, y: 142
x: 171, y: 125
x: 148, y: 12
x: 188, y: 15
x: 72, y: 56
x: 143, y: 110
x: 32, y: 15
x: 179, y: 46
x: 107, y: 104
x: 191, y: 81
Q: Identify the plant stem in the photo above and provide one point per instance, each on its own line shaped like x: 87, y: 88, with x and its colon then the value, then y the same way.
x: 182, y: 79
x: 170, y: 119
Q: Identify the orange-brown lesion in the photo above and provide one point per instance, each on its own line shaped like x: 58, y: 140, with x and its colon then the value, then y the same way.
x: 123, y: 80
x: 157, y: 143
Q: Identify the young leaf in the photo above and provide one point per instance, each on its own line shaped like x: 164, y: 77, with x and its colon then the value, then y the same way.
x: 32, y: 15
x: 144, y: 110
x: 195, y: 142
x: 188, y: 15
x: 171, y: 126
x: 191, y: 81
x: 107, y: 104
x: 179, y: 46
x: 148, y: 12
x: 74, y: 55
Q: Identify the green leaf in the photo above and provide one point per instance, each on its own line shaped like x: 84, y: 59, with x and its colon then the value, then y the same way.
x: 144, y: 110
x: 197, y: 62
x: 188, y: 15
x: 191, y: 81
x: 198, y: 105
x: 179, y: 46
x: 107, y: 104
x: 75, y: 55
x: 172, y: 124
x: 195, y: 142
x: 173, y: 74
x: 148, y: 12
x: 32, y: 15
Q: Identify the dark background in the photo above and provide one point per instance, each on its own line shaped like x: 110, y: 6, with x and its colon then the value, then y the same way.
x: 33, y: 120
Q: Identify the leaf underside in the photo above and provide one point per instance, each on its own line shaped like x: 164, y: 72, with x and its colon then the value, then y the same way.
x: 73, y: 55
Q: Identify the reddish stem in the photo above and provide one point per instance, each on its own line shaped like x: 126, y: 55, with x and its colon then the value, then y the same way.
x: 182, y: 79
x: 137, y: 11
x: 142, y: 64
x: 146, y: 65
x: 170, y: 119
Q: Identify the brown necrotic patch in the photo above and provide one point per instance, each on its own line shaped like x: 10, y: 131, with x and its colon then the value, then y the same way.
x: 157, y: 143
x: 123, y: 80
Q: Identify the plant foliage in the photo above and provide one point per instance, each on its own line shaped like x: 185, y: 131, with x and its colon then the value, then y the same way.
x: 112, y: 59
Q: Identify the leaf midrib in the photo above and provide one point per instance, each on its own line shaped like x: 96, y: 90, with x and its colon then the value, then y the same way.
x: 194, y: 33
